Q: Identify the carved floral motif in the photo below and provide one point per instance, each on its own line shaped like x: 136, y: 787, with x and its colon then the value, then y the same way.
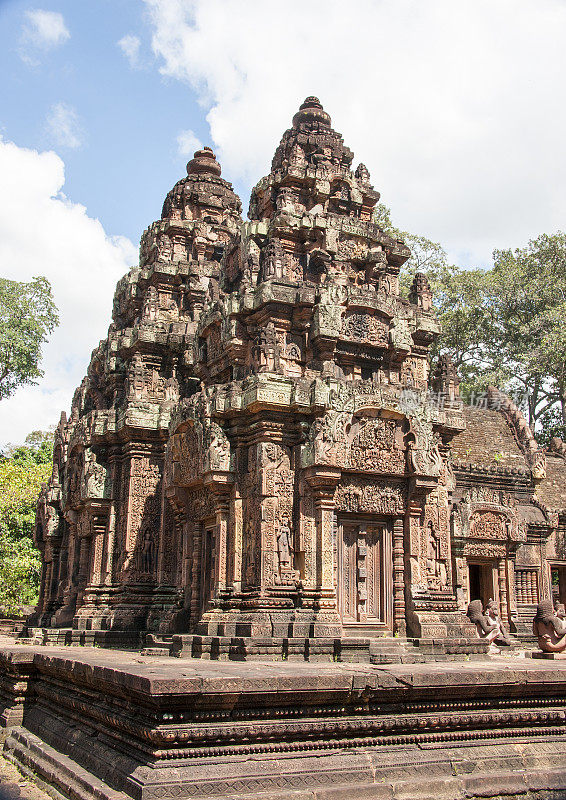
x: 365, y: 328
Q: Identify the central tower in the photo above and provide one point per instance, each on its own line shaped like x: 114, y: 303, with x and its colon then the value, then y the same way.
x: 308, y: 473
x: 253, y: 454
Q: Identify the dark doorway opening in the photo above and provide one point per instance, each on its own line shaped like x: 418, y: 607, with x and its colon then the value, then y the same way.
x: 480, y: 582
x: 474, y: 571
x: 558, y: 581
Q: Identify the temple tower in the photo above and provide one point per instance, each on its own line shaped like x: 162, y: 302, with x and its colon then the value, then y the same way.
x: 104, y: 504
x: 309, y: 473
x: 254, y: 451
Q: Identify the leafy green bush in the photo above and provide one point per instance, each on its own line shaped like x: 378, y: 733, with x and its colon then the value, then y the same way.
x: 22, y: 471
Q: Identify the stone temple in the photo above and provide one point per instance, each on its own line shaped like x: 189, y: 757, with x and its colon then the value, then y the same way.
x: 260, y: 467
x: 259, y: 459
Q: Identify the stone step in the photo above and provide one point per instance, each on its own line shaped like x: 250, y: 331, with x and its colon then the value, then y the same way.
x: 155, y: 651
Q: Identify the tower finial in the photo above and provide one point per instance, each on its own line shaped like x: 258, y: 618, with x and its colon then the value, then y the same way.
x: 311, y: 110
x: 204, y: 161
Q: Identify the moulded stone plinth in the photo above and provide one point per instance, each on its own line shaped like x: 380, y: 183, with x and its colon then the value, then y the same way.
x: 159, y: 728
x: 548, y: 656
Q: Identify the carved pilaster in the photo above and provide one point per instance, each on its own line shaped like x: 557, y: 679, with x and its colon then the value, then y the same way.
x: 323, y: 481
x: 222, y: 520
x: 399, y: 623
x: 413, y: 526
x: 196, y: 573
x: 110, y: 544
x: 237, y: 544
x: 502, y: 581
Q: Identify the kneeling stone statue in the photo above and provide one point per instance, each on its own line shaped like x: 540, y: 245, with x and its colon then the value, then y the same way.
x: 488, y: 624
x: 549, y: 628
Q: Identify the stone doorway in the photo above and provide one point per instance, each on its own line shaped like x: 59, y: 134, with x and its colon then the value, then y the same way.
x: 558, y: 582
x: 365, y: 576
x: 481, y: 582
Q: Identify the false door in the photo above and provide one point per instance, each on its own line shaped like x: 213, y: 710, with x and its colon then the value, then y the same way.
x: 365, y: 573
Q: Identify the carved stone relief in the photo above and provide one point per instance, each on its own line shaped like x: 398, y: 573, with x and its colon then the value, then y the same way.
x: 364, y: 495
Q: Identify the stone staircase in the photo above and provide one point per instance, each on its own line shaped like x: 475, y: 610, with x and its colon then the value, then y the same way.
x: 349, y: 649
x: 525, y: 616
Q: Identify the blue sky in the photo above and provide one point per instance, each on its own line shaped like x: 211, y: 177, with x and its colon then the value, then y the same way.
x: 128, y: 117
x: 455, y: 106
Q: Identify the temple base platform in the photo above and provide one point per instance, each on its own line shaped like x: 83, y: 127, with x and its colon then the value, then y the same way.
x: 382, y: 649
x: 548, y: 656
x: 105, y: 724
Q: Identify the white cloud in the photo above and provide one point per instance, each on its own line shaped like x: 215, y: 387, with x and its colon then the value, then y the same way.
x: 454, y: 106
x: 187, y: 143
x: 130, y: 47
x: 41, y: 232
x: 63, y: 128
x: 42, y: 31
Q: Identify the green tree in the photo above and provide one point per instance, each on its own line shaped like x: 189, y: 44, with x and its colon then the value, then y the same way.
x: 22, y: 471
x: 505, y: 325
x: 459, y: 297
x: 27, y: 316
x: 528, y: 296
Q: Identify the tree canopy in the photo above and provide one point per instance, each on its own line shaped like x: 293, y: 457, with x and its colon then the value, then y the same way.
x: 22, y: 471
x: 27, y: 316
x: 503, y: 325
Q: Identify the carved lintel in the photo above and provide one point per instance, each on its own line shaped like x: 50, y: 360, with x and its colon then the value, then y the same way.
x: 218, y: 482
x: 322, y: 478
x: 419, y: 487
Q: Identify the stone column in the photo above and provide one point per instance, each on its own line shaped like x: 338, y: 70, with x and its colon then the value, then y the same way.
x: 99, y: 529
x: 108, y: 557
x: 83, y: 561
x: 324, y: 514
x: 503, y: 607
x: 108, y: 561
x: 222, y: 519
x: 46, y: 585
x: 323, y: 481
x: 237, y: 544
x: 55, y: 577
x: 413, y: 522
x: 63, y: 574
x: 187, y: 533
x: 196, y: 573
x: 399, y: 621
x: 511, y: 594
x: 70, y: 590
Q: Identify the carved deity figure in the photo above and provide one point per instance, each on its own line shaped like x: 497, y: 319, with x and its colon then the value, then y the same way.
x: 297, y: 157
x: 249, y: 554
x: 272, y: 260
x: 94, y: 477
x: 172, y: 389
x: 151, y: 305
x: 136, y: 378
x: 362, y: 173
x: 252, y: 264
x: 284, y: 545
x: 488, y: 624
x: 436, y: 568
x: 322, y: 439
x: 147, y: 553
x: 401, y: 335
x: 218, y: 455
x: 549, y: 628
x: 267, y: 350
x: 164, y: 248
